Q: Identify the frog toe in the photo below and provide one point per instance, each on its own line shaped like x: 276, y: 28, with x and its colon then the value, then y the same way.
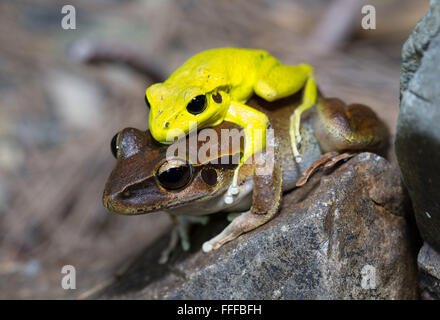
x: 207, y: 247
x: 233, y: 190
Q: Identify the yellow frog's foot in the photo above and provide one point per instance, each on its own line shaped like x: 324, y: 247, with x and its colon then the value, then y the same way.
x: 229, y: 199
x: 233, y: 189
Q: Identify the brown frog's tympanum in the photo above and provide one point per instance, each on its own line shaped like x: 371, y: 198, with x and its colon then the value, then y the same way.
x: 145, y: 181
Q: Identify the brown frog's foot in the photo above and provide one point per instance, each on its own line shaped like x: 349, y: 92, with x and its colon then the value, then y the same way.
x: 245, y: 222
x: 172, y: 244
x: 327, y: 160
x: 182, y: 225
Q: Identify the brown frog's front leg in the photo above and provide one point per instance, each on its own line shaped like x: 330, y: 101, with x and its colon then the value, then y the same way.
x: 180, y: 231
x: 342, y: 131
x: 265, y: 199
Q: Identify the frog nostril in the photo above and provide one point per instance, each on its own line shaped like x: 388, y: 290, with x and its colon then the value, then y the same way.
x: 167, y: 124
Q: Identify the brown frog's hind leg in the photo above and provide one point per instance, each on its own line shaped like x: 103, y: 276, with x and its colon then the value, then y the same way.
x: 342, y: 131
x: 265, y: 202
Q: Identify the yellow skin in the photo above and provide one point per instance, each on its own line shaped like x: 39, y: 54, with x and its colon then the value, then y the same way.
x: 227, y: 78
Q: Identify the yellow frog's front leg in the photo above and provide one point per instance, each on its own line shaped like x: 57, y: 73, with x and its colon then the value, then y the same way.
x: 255, y: 125
x: 278, y: 81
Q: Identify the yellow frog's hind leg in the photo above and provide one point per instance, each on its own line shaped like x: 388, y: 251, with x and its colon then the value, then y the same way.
x: 309, y: 100
x: 279, y: 81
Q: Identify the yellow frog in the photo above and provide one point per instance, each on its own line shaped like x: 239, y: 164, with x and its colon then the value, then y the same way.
x: 214, y: 86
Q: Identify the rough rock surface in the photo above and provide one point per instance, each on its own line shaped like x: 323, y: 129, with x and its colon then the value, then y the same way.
x: 418, y: 130
x: 418, y: 133
x: 429, y: 266
x: 343, y: 235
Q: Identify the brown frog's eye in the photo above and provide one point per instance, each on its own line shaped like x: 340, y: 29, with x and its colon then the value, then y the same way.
x: 114, y: 146
x: 174, y: 174
x: 197, y: 105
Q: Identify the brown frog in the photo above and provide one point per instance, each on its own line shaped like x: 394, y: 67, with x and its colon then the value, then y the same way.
x: 146, y: 179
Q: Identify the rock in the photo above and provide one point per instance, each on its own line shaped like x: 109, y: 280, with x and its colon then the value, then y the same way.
x: 418, y: 130
x: 343, y: 235
x: 429, y: 266
x: 417, y: 44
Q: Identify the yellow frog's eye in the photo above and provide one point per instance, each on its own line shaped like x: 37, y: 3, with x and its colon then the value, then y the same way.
x: 114, y: 146
x: 174, y: 174
x: 197, y: 105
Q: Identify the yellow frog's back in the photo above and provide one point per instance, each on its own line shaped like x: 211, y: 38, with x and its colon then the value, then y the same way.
x: 234, y: 68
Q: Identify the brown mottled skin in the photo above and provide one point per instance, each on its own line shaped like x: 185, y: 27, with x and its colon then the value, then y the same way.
x: 132, y: 187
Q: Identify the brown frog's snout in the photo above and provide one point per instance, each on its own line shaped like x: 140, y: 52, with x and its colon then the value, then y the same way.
x: 132, y: 199
x: 137, y: 156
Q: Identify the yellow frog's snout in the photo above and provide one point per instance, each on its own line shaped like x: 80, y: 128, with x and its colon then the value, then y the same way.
x: 161, y: 132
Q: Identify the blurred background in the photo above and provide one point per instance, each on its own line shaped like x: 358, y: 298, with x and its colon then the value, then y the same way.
x: 58, y: 114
